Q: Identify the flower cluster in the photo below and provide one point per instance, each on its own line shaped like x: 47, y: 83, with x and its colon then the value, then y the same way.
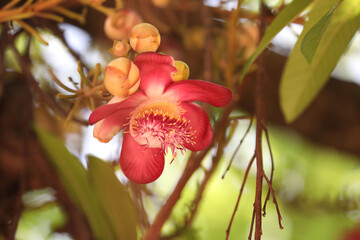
x: 153, y: 102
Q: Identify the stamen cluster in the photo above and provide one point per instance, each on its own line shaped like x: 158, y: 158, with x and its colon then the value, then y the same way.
x: 154, y: 127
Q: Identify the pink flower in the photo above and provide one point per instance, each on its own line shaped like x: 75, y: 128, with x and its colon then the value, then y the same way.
x: 159, y: 118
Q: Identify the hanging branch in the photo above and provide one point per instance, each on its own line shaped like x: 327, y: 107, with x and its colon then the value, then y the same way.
x: 239, y: 196
x: 252, y: 224
x: 274, y: 200
x: 272, y: 169
x: 259, y: 160
x: 260, y: 127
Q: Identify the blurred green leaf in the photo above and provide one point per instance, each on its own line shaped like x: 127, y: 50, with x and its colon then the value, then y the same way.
x: 73, y: 176
x: 285, y: 17
x: 301, y: 82
x: 39, y: 223
x: 312, y: 38
x: 113, y: 198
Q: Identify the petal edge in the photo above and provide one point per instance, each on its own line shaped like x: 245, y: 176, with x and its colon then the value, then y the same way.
x: 199, y: 90
x: 140, y: 164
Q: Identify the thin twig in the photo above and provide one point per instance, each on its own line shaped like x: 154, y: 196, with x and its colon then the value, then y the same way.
x: 50, y: 102
x: 237, y: 148
x: 70, y: 14
x: 239, y: 196
x: 252, y: 224
x: 10, y: 4
x: 274, y: 200
x: 272, y: 168
x: 50, y: 16
x: 240, y: 117
x: 32, y: 31
x: 58, y: 82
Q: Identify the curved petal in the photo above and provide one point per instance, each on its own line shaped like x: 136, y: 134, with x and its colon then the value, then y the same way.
x: 198, y: 90
x: 199, y: 122
x: 107, y: 128
x: 155, y: 72
x: 108, y: 109
x: 140, y: 164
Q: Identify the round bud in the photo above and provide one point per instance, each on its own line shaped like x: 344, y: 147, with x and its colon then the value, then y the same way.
x: 182, y: 71
x: 121, y: 77
x: 120, y: 49
x: 144, y: 37
x: 118, y: 25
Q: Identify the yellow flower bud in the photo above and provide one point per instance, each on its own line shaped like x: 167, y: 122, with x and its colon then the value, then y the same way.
x: 121, y: 77
x: 118, y: 26
x: 182, y: 71
x: 144, y: 37
x: 120, y: 49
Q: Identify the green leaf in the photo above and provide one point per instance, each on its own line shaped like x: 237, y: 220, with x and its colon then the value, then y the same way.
x: 312, y: 38
x: 113, y: 198
x: 301, y: 82
x: 285, y: 17
x: 74, y: 177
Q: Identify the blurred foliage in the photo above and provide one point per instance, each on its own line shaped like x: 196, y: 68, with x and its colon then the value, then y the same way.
x: 99, y: 194
x: 317, y: 192
x: 302, y: 79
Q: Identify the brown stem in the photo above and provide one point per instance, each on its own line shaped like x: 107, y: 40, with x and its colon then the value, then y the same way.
x: 274, y: 200
x: 259, y: 176
x: 260, y: 120
x: 239, y: 196
x: 252, y: 224
x: 272, y: 169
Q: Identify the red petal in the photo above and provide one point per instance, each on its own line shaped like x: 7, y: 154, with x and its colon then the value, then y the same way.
x: 140, y: 164
x: 107, y: 128
x: 106, y: 110
x: 199, y: 122
x: 155, y: 72
x: 198, y: 90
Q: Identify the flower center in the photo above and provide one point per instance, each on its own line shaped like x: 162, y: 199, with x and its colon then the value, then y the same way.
x: 159, y: 124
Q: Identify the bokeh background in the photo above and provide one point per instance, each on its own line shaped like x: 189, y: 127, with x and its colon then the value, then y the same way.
x: 316, y: 157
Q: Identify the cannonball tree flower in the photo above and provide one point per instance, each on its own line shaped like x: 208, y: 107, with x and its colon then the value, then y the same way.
x: 160, y: 118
